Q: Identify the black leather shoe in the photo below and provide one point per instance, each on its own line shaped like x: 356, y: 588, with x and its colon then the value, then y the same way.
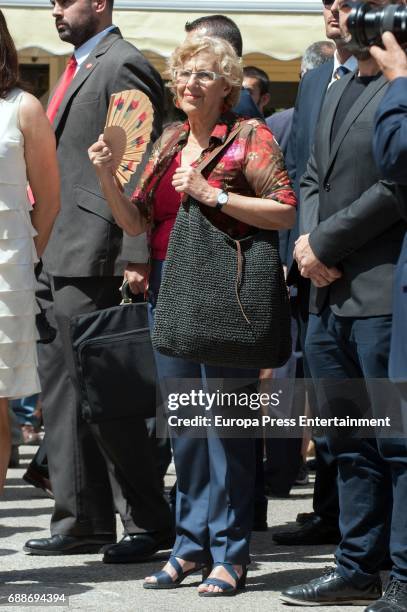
x: 137, y: 547
x: 273, y: 491
x: 393, y: 600
x: 304, y: 517
x: 68, y: 545
x: 315, y: 531
x: 39, y: 480
x: 331, y: 589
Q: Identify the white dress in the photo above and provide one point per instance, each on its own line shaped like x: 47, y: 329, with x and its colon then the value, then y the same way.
x: 18, y: 335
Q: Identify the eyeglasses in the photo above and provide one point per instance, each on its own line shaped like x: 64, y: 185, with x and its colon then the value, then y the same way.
x: 202, y: 76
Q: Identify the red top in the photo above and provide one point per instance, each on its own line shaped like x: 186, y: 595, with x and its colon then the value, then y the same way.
x: 165, y: 208
x: 252, y: 165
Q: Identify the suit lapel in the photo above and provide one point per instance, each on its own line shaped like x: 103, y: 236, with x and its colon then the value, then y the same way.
x: 353, y: 113
x: 85, y: 71
x: 77, y: 82
x: 318, y: 92
x: 321, y: 88
x: 332, y: 97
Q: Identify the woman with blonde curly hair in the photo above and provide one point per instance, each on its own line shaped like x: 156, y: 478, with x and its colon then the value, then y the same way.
x: 245, y: 187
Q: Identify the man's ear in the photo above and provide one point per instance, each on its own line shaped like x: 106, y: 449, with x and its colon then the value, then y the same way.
x: 100, y: 5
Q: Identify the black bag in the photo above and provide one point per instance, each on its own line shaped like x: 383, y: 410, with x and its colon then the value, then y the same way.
x: 115, y: 362
x: 222, y: 301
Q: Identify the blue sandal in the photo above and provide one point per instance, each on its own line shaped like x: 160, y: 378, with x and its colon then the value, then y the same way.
x: 227, y: 589
x: 165, y: 581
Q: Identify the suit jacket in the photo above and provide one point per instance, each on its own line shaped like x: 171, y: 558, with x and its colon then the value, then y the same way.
x: 310, y: 96
x: 390, y: 138
x: 280, y: 125
x: 246, y: 107
x: 85, y: 240
x: 390, y: 150
x: 359, y: 227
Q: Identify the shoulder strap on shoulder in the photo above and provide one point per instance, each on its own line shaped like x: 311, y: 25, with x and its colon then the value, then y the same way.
x: 218, y: 149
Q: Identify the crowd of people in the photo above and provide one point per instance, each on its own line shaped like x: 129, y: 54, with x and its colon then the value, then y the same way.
x: 325, y: 181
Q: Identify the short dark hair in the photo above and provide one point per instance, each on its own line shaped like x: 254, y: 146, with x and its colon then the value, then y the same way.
x: 220, y: 26
x: 9, y: 77
x: 260, y: 75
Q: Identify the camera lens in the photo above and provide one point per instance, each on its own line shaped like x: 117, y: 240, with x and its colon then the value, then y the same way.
x: 366, y: 24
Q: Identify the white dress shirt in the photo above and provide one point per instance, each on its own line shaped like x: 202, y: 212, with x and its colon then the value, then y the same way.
x: 351, y: 64
x: 82, y: 53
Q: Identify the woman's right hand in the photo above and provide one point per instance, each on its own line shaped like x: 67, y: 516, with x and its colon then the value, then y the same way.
x: 101, y: 157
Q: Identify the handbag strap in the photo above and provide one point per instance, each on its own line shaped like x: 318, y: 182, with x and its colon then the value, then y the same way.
x: 215, y: 152
x: 205, y: 162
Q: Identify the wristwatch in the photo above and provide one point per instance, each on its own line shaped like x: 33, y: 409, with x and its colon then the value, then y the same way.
x: 222, y: 199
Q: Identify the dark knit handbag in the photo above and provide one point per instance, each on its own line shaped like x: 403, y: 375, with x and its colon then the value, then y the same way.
x: 222, y: 301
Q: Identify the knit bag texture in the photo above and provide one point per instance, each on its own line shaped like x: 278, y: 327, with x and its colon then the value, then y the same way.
x: 222, y: 301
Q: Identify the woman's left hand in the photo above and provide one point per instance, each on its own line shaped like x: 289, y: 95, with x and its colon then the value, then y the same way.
x: 190, y: 181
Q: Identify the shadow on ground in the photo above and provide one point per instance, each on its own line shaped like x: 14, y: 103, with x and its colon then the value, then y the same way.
x: 7, y: 512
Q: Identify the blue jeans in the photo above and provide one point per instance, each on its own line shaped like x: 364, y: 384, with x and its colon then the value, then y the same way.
x: 215, y: 476
x: 372, y: 473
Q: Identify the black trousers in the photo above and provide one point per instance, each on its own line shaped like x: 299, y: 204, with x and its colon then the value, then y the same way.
x: 283, y: 455
x: 372, y: 472
x: 325, y: 499
x: 94, y: 468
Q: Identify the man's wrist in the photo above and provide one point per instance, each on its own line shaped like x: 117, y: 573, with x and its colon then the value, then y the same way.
x: 399, y: 74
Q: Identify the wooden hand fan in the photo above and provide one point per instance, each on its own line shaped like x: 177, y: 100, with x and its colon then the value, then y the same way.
x: 127, y: 131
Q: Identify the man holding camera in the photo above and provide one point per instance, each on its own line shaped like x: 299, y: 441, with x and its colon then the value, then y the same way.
x: 390, y: 151
x: 358, y: 230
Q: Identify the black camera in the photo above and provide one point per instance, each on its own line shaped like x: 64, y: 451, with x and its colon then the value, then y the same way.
x: 366, y: 23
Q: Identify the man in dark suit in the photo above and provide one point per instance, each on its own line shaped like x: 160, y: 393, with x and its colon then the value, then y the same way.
x: 280, y: 124
x: 284, y: 465
x: 358, y: 228
x: 390, y: 150
x: 87, y: 462
x: 322, y: 526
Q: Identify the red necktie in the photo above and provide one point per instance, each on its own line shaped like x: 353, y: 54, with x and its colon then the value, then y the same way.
x: 55, y: 102
x: 60, y: 91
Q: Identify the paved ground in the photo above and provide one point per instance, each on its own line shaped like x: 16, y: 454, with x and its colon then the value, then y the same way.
x: 92, y: 585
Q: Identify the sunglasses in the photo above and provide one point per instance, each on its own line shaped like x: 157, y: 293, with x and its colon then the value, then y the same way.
x: 345, y: 3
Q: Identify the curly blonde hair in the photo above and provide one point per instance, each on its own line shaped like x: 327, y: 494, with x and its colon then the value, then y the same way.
x: 229, y: 64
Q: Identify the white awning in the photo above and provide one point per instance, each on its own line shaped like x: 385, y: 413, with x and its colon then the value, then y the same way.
x: 205, y: 6
x: 281, y: 35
